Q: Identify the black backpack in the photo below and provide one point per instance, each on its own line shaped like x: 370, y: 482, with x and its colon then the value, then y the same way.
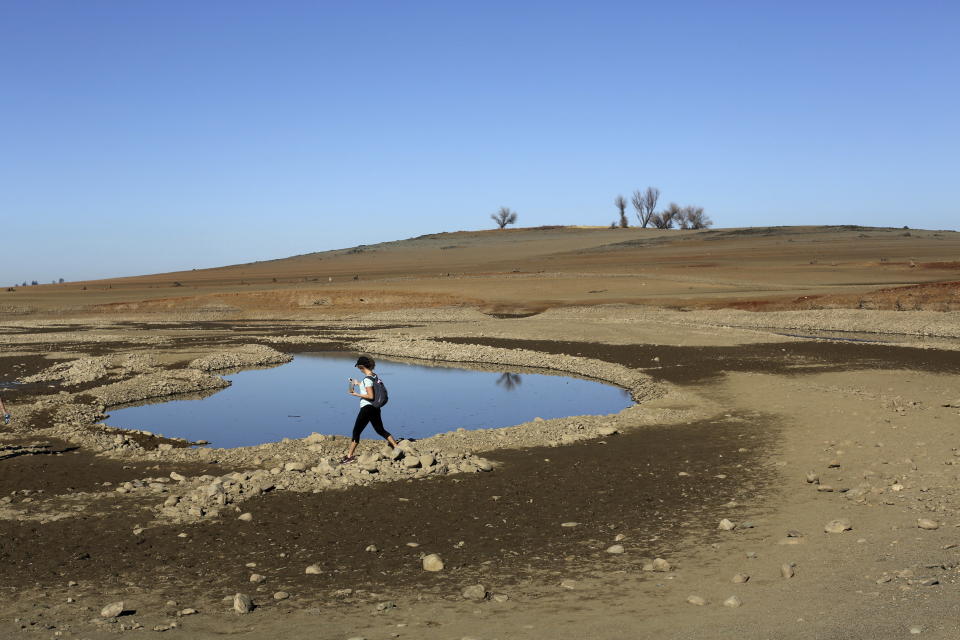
x: 380, y: 397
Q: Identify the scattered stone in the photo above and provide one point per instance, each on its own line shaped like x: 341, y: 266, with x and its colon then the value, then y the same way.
x: 474, y: 592
x: 915, y: 630
x: 732, y: 602
x: 371, y: 548
x: 281, y: 595
x: 570, y: 525
x: 483, y: 465
x: 726, y: 525
x: 787, y: 570
x: 242, y: 603
x: 837, y: 526
x: 246, y: 517
x: 568, y: 584
x: 432, y: 562
x: 928, y: 524
x: 176, y: 477
x: 189, y: 611
x: 740, y: 578
x: 696, y: 600
x: 294, y: 466
x: 660, y: 565
x: 112, y: 610
x: 386, y: 606
x: 257, y: 578
x: 313, y: 570
x: 501, y: 597
x: 615, y: 549
x: 619, y: 537
x: 607, y: 431
x: 813, y: 477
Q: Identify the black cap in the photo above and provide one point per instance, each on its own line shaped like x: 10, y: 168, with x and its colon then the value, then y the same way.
x: 364, y: 361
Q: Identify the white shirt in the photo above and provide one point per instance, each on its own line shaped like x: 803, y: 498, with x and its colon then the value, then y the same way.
x: 367, y: 383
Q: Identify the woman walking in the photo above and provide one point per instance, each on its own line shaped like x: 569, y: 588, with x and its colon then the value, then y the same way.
x: 369, y: 412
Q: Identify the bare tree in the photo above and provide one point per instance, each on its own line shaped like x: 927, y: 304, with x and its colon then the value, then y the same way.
x: 504, y: 216
x: 693, y: 218
x: 645, y: 202
x: 666, y: 218
x: 621, y: 204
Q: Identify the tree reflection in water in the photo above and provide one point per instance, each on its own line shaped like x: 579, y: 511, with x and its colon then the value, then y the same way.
x: 509, y: 381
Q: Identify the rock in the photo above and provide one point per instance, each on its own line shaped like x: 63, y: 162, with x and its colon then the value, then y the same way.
x: 474, y: 592
x: 787, y: 570
x: 385, y: 606
x: 732, y: 602
x: 813, y: 477
x: 619, y: 537
x: 740, y: 578
x: 371, y: 548
x: 607, y: 431
x: 176, y: 477
x: 294, y: 466
x: 696, y: 600
x: 432, y: 562
x: 929, y: 525
x: 915, y: 630
x: 661, y: 565
x: 837, y: 526
x: 500, y: 597
x: 242, y: 603
x: 726, y: 525
x: 313, y: 570
x: 615, y: 549
x: 483, y: 465
x: 411, y: 462
x: 188, y: 612
x: 257, y: 578
x: 112, y: 610
x: 427, y: 460
x: 315, y: 438
x: 568, y: 584
x: 246, y: 517
x: 281, y: 595
x: 569, y: 525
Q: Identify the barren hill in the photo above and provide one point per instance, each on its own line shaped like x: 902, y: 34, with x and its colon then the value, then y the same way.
x: 528, y: 270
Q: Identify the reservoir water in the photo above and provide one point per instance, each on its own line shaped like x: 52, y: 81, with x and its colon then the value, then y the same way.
x: 310, y: 394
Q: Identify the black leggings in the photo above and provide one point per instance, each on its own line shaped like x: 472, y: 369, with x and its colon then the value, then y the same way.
x: 371, y: 414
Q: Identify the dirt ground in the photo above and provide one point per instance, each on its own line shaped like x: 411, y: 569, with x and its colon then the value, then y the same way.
x: 779, y: 422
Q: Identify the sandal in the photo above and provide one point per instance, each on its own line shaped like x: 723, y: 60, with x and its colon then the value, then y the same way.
x: 347, y: 459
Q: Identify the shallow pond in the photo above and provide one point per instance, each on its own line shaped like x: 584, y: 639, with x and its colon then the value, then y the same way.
x: 310, y: 394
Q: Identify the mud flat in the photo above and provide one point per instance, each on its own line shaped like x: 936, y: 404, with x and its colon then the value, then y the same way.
x: 741, y: 450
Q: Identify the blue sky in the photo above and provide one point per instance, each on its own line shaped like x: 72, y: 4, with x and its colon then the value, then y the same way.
x: 147, y: 136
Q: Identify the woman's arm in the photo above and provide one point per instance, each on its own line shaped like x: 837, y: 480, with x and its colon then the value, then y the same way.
x: 367, y: 391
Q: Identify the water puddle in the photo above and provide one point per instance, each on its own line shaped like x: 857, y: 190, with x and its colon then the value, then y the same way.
x: 310, y: 394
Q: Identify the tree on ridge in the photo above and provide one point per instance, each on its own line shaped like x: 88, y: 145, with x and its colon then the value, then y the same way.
x: 504, y: 216
x: 621, y: 204
x: 645, y: 202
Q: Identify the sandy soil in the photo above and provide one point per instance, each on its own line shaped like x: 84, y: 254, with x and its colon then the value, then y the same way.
x: 780, y: 422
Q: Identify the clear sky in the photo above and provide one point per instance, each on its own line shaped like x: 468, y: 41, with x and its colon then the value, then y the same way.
x: 143, y: 136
